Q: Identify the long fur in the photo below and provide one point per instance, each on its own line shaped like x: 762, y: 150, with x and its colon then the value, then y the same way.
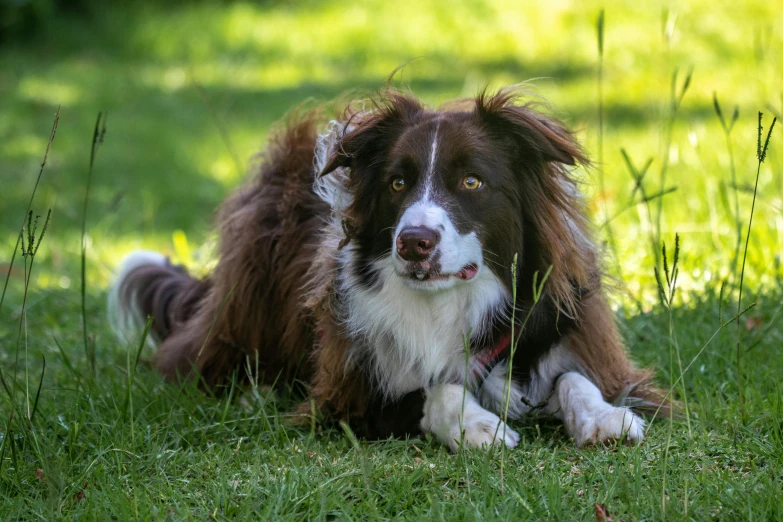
x: 308, y: 285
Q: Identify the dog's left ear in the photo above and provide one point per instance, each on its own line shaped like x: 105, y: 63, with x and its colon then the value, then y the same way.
x: 541, y: 149
x: 539, y: 136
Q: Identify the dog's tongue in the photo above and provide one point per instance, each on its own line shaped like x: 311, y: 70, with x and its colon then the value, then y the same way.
x: 468, y: 273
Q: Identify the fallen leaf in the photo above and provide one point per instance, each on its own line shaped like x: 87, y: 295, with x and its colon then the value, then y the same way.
x: 601, y: 513
x: 80, y: 495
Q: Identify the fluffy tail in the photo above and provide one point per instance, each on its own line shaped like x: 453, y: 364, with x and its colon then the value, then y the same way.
x: 647, y: 399
x: 148, y: 285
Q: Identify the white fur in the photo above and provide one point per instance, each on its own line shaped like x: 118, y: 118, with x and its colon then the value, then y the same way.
x: 445, y: 418
x: 559, y: 388
x: 413, y: 338
x: 588, y: 418
x: 431, y: 166
x: 454, y: 250
x: 125, y: 319
x: 332, y: 188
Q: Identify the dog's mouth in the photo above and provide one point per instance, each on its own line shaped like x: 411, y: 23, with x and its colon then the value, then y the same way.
x: 424, y: 272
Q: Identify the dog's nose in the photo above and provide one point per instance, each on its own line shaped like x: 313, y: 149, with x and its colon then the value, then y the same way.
x: 416, y: 243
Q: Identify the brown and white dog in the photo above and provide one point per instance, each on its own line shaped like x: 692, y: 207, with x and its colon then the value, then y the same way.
x: 373, y: 262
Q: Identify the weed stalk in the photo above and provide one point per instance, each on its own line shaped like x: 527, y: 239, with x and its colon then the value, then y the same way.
x: 761, y: 155
x: 30, y: 204
x: 599, y: 29
x: 537, y: 293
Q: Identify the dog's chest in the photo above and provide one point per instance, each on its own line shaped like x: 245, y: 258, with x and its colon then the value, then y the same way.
x: 412, y: 339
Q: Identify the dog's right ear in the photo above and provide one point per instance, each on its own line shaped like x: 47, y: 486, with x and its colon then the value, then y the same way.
x: 371, y: 134
x: 347, y: 147
x: 364, y: 150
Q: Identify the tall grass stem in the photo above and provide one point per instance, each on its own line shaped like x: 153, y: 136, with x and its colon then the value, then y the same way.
x: 97, y: 140
x: 761, y: 155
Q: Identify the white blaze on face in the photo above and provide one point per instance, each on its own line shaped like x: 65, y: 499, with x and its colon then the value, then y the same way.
x: 454, y: 251
x: 431, y: 166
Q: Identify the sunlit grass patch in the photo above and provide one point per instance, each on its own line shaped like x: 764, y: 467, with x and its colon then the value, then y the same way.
x: 192, y: 94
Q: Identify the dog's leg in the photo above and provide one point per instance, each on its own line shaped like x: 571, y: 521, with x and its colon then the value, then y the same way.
x: 445, y: 417
x: 531, y: 395
x: 588, y: 418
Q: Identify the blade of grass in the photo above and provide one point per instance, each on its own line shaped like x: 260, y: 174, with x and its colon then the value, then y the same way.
x: 537, y: 292
x: 66, y: 360
x: 29, y: 252
x: 38, y: 393
x: 97, y: 140
x: 132, y: 373
x: 600, y: 32
x: 727, y: 128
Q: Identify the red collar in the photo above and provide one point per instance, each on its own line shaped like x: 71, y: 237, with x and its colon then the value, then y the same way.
x: 488, y: 356
x: 484, y: 359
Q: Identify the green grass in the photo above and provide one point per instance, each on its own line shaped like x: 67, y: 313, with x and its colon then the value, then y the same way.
x: 191, y: 95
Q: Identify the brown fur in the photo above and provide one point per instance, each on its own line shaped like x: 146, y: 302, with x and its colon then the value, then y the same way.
x: 253, y: 308
x: 272, y: 299
x: 552, y: 195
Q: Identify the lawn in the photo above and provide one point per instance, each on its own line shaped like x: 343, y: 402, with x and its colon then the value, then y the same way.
x: 192, y: 92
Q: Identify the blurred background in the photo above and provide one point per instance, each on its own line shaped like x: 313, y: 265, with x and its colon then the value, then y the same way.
x: 192, y: 89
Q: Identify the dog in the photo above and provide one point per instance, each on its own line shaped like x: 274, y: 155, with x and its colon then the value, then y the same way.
x: 420, y: 270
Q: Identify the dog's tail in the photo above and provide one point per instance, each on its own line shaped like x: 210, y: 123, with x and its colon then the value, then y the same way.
x: 148, y: 285
x: 647, y: 399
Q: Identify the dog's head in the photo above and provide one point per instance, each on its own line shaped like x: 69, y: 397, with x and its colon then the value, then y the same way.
x: 447, y: 194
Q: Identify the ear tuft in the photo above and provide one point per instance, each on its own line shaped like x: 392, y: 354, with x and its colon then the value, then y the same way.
x: 539, y: 135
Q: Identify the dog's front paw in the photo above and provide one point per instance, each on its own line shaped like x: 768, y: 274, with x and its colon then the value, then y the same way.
x: 476, y: 427
x: 609, y: 425
x: 485, y: 429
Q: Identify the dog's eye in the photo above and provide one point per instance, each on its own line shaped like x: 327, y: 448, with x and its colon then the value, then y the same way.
x: 397, y: 184
x: 471, y: 183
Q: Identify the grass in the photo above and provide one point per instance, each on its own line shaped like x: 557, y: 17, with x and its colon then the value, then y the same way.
x: 109, y: 439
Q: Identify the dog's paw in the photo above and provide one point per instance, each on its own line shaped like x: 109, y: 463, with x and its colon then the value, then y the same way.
x: 477, y: 427
x: 486, y: 429
x: 609, y: 425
